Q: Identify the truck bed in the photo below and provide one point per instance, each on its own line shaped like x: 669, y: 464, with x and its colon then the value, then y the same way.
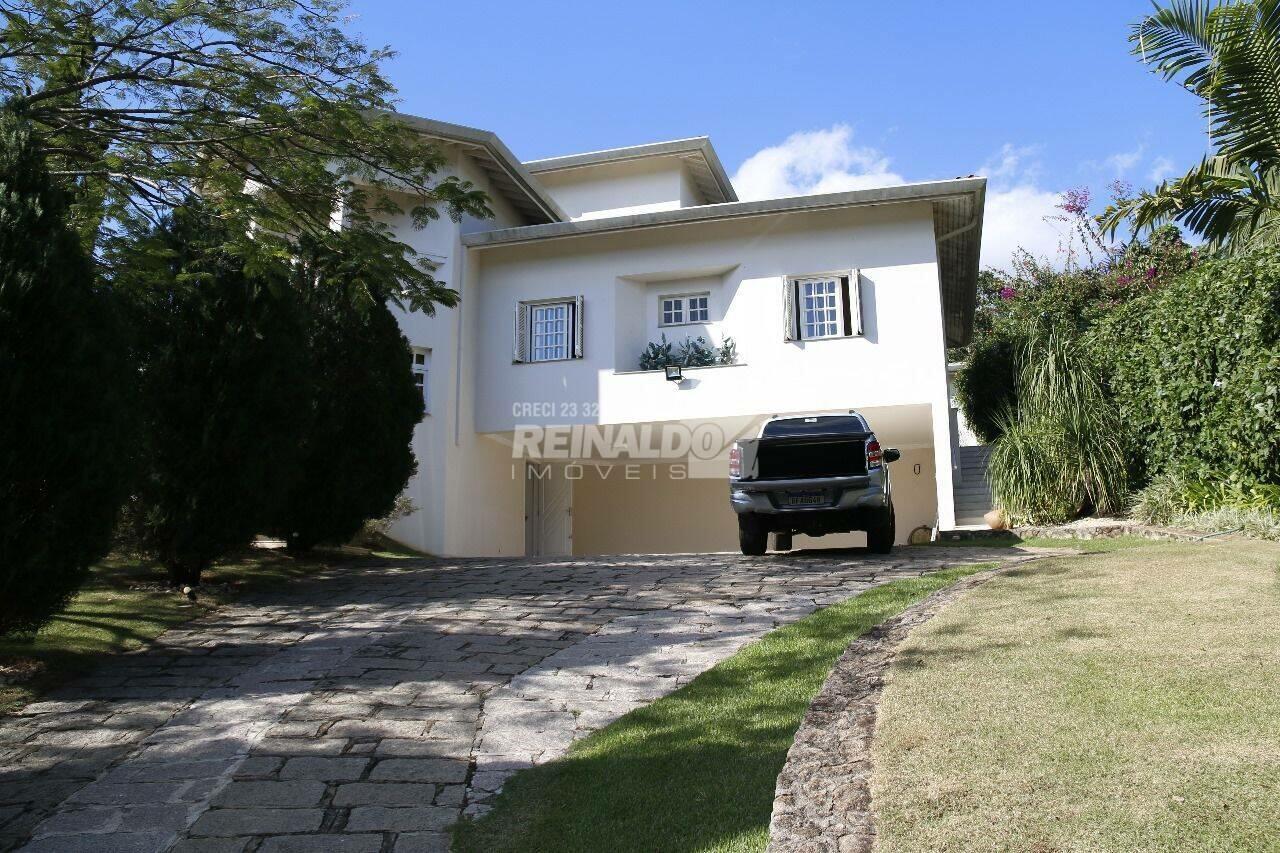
x: 805, y: 457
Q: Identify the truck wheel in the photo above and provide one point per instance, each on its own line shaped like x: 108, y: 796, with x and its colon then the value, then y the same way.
x: 782, y: 541
x: 880, y: 537
x: 752, y: 537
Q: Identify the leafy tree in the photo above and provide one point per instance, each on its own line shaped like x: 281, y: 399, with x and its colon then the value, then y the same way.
x: 63, y: 396
x: 354, y: 452
x: 1228, y: 55
x: 268, y: 106
x: 220, y: 354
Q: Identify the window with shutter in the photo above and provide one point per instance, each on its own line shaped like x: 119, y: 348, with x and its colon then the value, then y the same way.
x: 821, y: 306
x: 548, y: 330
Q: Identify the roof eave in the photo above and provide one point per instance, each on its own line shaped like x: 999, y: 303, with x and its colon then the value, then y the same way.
x: 695, y: 145
x: 901, y: 194
x: 498, y: 153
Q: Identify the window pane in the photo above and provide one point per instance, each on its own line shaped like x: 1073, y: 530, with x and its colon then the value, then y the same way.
x: 820, y: 310
x: 698, y: 309
x: 549, y: 331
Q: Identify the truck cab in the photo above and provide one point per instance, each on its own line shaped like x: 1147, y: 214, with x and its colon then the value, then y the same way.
x: 812, y: 474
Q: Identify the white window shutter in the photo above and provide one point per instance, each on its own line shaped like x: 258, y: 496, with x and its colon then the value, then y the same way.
x: 788, y: 310
x: 520, y: 344
x: 852, y: 296
x: 577, y: 327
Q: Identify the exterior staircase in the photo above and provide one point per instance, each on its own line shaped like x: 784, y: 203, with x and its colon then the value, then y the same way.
x: 971, y: 491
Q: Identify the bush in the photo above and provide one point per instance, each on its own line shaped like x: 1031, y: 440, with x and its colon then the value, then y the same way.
x: 1060, y: 455
x: 355, y: 455
x: 221, y: 360
x: 986, y: 387
x: 63, y: 396
x: 1175, y: 494
x: 1195, y: 368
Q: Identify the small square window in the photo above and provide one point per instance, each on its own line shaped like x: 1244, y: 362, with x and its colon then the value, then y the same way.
x: 684, y: 309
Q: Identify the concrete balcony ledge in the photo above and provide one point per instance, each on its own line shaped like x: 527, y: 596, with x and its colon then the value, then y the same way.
x: 659, y: 370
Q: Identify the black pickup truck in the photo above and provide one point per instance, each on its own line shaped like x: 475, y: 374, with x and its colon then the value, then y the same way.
x: 812, y: 474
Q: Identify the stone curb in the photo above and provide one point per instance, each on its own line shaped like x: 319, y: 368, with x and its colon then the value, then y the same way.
x: 1112, y: 531
x: 822, y: 802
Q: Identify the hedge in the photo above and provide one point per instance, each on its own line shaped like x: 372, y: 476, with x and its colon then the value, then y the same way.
x: 1195, y: 368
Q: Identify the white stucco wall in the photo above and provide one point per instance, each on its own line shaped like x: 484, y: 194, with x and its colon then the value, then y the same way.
x: 471, y: 497
x: 615, y: 189
x: 435, y: 443
x: 898, y: 360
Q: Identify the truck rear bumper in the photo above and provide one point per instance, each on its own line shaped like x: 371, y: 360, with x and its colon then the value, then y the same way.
x: 772, y: 497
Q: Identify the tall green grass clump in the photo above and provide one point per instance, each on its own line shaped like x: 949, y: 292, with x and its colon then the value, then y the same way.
x: 1059, y: 455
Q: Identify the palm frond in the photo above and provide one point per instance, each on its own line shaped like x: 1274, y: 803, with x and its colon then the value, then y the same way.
x: 1223, y: 201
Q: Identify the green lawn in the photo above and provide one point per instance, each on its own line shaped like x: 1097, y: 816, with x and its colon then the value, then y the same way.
x: 126, y: 604
x: 1122, y: 701
x: 696, y: 769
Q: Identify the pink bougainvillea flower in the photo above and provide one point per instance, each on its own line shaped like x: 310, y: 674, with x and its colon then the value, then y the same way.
x: 1124, y: 279
x: 1076, y: 201
x: 1151, y: 272
x: 1007, y: 292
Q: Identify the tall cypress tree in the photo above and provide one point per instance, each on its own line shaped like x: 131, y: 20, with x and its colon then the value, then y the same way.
x: 222, y: 371
x: 355, y: 453
x: 63, y: 395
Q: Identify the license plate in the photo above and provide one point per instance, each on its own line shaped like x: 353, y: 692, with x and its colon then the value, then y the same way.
x: 806, y: 498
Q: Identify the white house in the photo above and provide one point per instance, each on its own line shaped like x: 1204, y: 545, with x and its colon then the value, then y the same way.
x: 543, y: 436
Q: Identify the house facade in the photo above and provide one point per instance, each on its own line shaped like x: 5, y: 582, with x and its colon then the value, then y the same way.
x: 544, y: 436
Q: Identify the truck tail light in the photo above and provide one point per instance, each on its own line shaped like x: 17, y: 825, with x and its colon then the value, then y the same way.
x: 735, y: 461
x: 874, y: 455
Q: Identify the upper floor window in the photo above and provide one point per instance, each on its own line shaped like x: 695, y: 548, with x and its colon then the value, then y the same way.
x: 548, y: 330
x: 822, y: 306
x: 686, y: 308
x: 421, y: 366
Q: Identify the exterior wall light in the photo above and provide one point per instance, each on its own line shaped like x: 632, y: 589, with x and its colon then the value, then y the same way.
x: 675, y: 373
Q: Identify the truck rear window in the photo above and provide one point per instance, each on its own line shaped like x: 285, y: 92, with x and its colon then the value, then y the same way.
x: 820, y: 425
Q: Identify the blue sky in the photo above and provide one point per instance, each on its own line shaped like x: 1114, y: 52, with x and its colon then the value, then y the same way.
x: 813, y: 96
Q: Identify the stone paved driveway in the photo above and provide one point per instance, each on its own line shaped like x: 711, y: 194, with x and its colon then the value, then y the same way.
x: 366, y: 709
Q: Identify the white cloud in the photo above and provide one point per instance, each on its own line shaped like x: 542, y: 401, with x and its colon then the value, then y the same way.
x: 1013, y: 164
x: 1161, y: 168
x: 1021, y: 216
x: 1020, y: 212
x: 1120, y: 163
x: 811, y: 162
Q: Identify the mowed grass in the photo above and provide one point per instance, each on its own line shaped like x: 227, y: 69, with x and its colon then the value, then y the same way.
x: 126, y: 603
x: 1123, y: 701
x: 694, y: 770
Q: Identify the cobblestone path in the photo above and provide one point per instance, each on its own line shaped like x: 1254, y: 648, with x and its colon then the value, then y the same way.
x: 366, y: 709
